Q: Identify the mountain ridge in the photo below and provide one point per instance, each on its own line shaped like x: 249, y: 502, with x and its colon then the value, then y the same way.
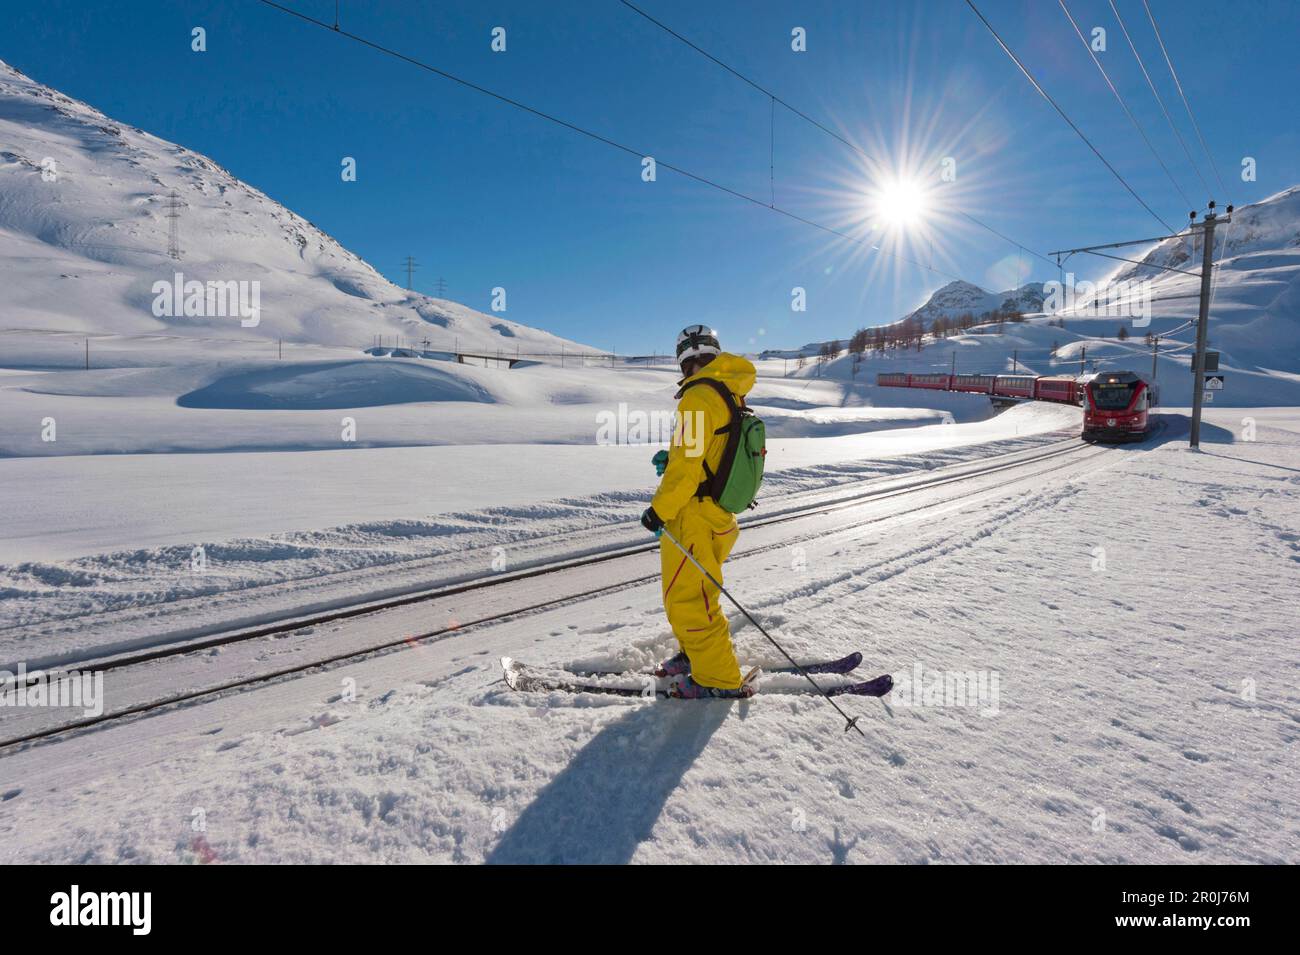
x: 84, y: 228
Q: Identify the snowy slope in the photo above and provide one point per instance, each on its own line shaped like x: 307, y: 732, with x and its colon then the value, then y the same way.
x: 1144, y: 710
x: 1255, y: 318
x: 84, y: 236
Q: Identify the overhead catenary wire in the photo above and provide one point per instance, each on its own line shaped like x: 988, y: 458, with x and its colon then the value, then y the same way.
x: 742, y: 77
x: 1159, y: 100
x: 1120, y: 258
x: 775, y: 99
x: 1043, y: 93
x: 1123, y: 105
x: 614, y: 144
x: 1008, y: 239
x: 1179, y: 86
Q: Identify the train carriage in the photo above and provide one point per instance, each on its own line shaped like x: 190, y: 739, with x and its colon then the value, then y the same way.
x: 976, y: 384
x: 1014, y: 386
x: 1058, y: 389
x: 937, y: 382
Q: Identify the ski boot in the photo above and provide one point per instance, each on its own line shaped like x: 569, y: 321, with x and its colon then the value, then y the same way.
x: 684, y: 688
x: 675, y: 665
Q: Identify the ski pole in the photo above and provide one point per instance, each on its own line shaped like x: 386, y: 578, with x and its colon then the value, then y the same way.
x: 850, y: 722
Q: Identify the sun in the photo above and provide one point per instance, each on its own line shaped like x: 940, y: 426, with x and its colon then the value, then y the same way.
x: 899, y: 204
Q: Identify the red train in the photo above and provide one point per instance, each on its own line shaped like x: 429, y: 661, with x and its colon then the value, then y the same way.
x: 1116, y: 405
x: 1065, y: 390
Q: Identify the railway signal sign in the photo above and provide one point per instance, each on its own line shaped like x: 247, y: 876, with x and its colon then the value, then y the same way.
x: 1213, y: 382
x: 1208, y: 396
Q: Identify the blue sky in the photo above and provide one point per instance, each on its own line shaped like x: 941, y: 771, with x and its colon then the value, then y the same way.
x: 484, y: 195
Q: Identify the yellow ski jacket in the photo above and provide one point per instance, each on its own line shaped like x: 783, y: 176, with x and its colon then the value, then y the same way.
x: 700, y: 413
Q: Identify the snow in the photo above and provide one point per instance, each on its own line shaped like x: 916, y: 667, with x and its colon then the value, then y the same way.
x: 82, y: 537
x: 1146, y: 705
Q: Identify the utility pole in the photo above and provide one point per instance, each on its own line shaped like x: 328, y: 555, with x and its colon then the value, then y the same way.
x: 954, y: 362
x: 173, y: 226
x: 1155, y: 350
x: 1203, y: 319
x: 410, y: 265
x: 441, y: 287
x: 1015, y: 364
x: 1083, y: 359
x: 1205, y: 231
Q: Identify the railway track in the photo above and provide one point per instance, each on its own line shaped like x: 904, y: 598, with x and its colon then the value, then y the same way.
x: 309, y: 599
x: 1070, y: 451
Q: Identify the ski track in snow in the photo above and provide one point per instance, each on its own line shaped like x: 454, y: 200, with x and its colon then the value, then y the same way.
x: 1139, y: 615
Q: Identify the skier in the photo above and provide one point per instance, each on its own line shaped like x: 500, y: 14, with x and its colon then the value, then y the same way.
x: 706, y: 664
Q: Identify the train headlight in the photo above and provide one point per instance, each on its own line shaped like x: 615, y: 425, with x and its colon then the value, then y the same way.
x: 1110, y: 422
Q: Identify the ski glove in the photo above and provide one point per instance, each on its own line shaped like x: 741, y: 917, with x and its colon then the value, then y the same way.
x: 652, y: 521
x: 660, y: 461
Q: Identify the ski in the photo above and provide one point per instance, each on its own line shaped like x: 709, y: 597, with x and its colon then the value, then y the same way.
x: 520, y: 676
x: 843, y: 665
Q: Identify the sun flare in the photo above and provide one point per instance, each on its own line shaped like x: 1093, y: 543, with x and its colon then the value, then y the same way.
x: 900, y: 204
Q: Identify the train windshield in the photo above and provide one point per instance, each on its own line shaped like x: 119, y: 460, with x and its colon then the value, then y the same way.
x: 1113, y: 397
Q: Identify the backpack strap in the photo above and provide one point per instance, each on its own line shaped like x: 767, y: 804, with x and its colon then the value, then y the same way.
x: 713, y: 484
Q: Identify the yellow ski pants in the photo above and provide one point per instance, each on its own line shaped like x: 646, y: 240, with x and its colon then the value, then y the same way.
x: 708, y: 532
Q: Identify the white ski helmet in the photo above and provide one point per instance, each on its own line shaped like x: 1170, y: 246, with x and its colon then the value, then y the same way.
x: 696, y: 340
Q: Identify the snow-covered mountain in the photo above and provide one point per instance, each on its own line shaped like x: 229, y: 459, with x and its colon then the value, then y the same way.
x: 84, y: 230
x: 959, y: 298
x: 953, y: 300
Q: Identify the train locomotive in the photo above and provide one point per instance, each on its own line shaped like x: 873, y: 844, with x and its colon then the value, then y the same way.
x: 1116, y: 407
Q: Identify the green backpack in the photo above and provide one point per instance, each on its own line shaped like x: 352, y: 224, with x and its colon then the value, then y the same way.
x: 740, y: 472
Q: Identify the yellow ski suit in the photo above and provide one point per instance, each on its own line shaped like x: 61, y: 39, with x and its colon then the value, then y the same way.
x: 706, y: 530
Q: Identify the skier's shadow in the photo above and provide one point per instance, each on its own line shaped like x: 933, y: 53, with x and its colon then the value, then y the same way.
x: 605, y: 802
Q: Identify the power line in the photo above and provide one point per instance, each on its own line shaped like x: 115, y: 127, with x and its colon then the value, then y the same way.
x: 1042, y: 92
x: 802, y: 115
x: 1186, y: 105
x: 1007, y: 238
x: 1123, y: 105
x: 605, y: 139
x: 742, y: 77
x: 1154, y: 92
